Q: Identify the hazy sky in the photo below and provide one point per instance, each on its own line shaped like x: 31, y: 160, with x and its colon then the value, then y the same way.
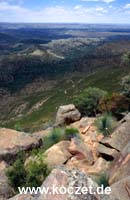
x: 86, y: 11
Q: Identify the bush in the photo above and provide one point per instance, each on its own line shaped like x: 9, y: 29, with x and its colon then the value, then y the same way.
x: 106, y: 124
x: 88, y: 101
x: 18, y: 127
x: 33, y: 176
x: 71, y: 133
x: 36, y: 173
x: 126, y: 59
x: 103, y: 180
x: 55, y: 136
x: 125, y: 84
x: 114, y: 103
x: 17, y: 175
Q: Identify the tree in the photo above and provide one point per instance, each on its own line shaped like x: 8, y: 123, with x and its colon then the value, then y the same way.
x: 126, y: 58
x: 87, y: 102
x: 114, y: 103
x: 126, y: 86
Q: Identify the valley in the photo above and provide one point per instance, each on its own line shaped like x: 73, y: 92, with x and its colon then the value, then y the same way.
x: 43, y: 66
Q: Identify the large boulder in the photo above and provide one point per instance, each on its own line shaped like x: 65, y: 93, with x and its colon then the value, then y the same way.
x: 58, y: 154
x: 121, y: 166
x: 61, y: 177
x: 11, y: 142
x: 121, y: 189
x: 81, y: 150
x: 120, y: 137
x: 67, y: 114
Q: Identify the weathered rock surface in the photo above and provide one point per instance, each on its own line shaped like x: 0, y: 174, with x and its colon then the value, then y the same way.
x: 69, y: 178
x: 22, y: 197
x: 5, y: 189
x: 120, y: 137
x: 11, y: 142
x: 43, y: 133
x: 67, y: 114
x: 121, y: 166
x: 106, y: 151
x: 99, y: 167
x: 80, y: 150
x: 58, y: 154
x: 121, y: 189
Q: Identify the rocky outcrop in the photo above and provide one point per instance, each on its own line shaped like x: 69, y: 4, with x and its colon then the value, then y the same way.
x: 11, y: 142
x: 101, y: 166
x: 58, y: 154
x: 120, y: 137
x: 63, y: 178
x: 121, y: 166
x: 108, y: 153
x: 67, y: 114
x: 80, y: 150
x: 121, y: 189
x: 69, y: 178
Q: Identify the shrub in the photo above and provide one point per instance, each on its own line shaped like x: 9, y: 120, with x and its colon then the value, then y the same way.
x: 125, y: 84
x: 18, y: 127
x: 106, y: 124
x: 16, y: 173
x: 87, y: 102
x: 33, y: 176
x: 71, y: 133
x: 55, y: 136
x: 36, y: 173
x: 103, y: 180
x: 114, y: 103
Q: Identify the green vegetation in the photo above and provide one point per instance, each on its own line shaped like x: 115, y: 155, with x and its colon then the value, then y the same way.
x: 55, y: 136
x: 103, y: 180
x: 114, y: 103
x: 59, y: 134
x: 106, y: 124
x: 108, y: 80
x: 126, y: 58
x: 87, y: 102
x: 33, y: 176
x: 71, y: 133
x: 125, y: 84
x: 36, y: 173
x: 16, y: 174
x: 18, y: 127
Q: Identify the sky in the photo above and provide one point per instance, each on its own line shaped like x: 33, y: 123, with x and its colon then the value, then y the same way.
x: 67, y: 11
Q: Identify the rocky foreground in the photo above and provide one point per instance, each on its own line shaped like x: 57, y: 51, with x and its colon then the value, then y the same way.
x: 78, y: 162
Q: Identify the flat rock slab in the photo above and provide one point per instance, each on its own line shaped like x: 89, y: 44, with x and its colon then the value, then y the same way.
x: 11, y: 142
x: 120, y: 137
x: 121, y: 166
